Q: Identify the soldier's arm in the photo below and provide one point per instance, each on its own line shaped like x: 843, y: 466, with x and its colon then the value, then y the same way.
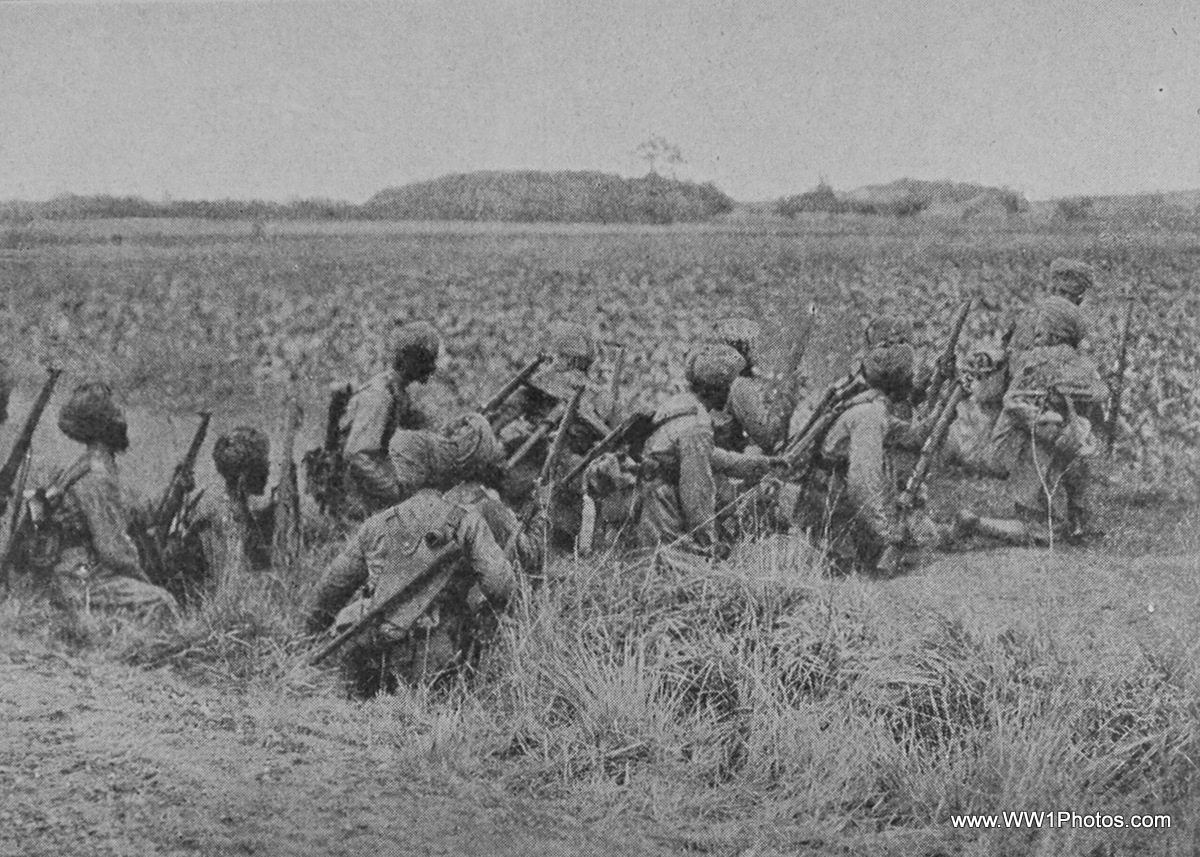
x: 108, y: 523
x: 866, y: 480
x: 370, y: 407
x: 748, y: 404
x: 344, y: 576
x: 495, y: 573
x: 740, y: 465
x: 697, y: 488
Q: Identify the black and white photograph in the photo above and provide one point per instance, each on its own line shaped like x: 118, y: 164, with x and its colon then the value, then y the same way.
x: 564, y: 428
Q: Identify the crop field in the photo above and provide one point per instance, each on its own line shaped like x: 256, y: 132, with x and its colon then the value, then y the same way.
x: 761, y: 707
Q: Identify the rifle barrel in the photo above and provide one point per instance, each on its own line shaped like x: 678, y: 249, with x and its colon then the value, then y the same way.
x: 510, y: 387
x: 8, y: 473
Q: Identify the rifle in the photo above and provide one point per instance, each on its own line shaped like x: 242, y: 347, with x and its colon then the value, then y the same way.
x: 285, y: 538
x: 636, y: 425
x: 946, y: 409
x: 946, y: 366
x: 545, y: 484
x: 491, y: 407
x: 409, y: 602
x: 13, y: 524
x: 1114, y: 408
x: 181, y: 482
x: 8, y: 473
x: 614, y: 387
x: 787, y: 392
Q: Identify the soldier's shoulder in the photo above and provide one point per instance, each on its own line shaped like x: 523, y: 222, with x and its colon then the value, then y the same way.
x: 681, y: 405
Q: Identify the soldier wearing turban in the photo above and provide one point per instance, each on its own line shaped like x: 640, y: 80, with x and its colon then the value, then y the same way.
x: 853, y: 503
x: 95, y: 562
x: 378, y: 409
x: 746, y: 418
x: 679, y: 492
x: 229, y: 526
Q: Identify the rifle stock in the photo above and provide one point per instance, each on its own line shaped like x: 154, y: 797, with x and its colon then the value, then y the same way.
x: 946, y: 411
x: 8, y: 473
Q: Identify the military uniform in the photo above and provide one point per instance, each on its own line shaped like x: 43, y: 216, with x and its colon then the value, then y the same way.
x: 383, y: 555
x: 865, y: 458
x: 376, y: 411
x: 681, y: 463
x: 533, y: 404
x: 424, y: 459
x: 94, y: 563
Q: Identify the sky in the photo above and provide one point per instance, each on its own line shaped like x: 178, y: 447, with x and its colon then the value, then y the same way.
x: 293, y: 99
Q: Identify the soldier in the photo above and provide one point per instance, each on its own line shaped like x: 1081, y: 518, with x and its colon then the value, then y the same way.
x: 93, y: 562
x: 1046, y: 432
x: 746, y: 418
x: 1056, y: 317
x: 679, y: 499
x: 228, y: 530
x: 968, y: 443
x: 376, y: 410
x: 535, y: 404
x: 425, y: 459
x: 853, y: 500
x: 386, y: 554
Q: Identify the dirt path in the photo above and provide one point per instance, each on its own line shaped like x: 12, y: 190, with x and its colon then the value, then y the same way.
x: 101, y: 759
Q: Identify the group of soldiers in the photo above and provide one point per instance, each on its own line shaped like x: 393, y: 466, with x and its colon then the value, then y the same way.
x: 449, y: 516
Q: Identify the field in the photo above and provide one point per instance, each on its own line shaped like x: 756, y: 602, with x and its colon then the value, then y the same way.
x: 762, y: 707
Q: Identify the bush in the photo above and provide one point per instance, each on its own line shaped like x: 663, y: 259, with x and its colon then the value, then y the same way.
x: 1074, y: 208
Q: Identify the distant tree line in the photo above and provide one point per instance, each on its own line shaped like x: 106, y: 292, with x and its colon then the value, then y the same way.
x: 903, y: 198
x: 560, y: 197
x: 528, y: 197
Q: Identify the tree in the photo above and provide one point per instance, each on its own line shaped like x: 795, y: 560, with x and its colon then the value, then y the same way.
x: 658, y: 151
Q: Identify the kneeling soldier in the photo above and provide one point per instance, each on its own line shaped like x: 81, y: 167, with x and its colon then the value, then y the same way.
x: 446, y: 606
x: 228, y: 531
x: 94, y: 562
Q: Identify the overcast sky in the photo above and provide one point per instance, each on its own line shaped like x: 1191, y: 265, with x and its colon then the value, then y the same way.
x: 287, y: 99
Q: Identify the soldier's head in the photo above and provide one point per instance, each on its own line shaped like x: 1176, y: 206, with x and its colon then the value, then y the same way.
x: 572, y: 347
x: 243, y: 457
x: 413, y: 348
x: 1070, y: 278
x: 478, y: 453
x: 91, y: 417
x: 886, y: 330
x: 741, y: 334
x: 711, y: 370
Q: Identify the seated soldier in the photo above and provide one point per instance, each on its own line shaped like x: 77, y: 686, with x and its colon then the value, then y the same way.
x: 746, y: 418
x: 228, y: 530
x: 444, y: 625
x: 1048, y: 438
x: 377, y: 410
x: 94, y: 562
x: 852, y: 503
x: 969, y: 440
x: 1054, y: 318
x: 425, y: 459
x: 538, y: 404
x: 678, y: 491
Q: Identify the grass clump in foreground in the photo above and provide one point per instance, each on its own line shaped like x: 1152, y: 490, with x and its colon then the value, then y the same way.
x: 762, y: 702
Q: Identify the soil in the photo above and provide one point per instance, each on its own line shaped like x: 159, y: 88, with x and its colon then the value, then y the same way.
x: 102, y: 759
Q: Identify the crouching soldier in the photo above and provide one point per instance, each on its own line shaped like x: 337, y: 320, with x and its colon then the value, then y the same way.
x: 1045, y: 436
x: 439, y: 568
x: 679, y: 491
x: 376, y: 410
x: 528, y: 418
x: 228, y: 526
x: 463, y: 450
x: 852, y: 501
x: 969, y: 441
x: 746, y: 419
x: 83, y: 539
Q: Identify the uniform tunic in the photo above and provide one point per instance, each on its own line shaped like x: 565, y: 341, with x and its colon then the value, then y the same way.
x: 380, y: 547
x: 98, y: 563
x: 373, y: 414
x: 230, y: 536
